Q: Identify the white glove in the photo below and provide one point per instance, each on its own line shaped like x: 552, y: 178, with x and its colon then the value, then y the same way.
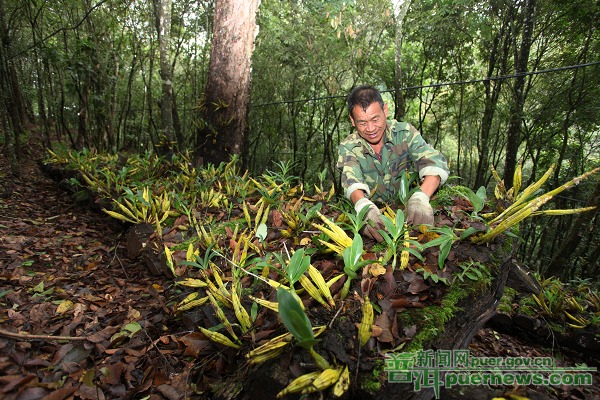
x: 373, y: 216
x: 419, y: 210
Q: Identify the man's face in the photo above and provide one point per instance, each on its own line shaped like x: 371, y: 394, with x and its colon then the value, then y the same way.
x: 370, y: 123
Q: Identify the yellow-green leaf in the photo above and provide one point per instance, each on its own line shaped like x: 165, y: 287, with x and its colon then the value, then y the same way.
x: 64, y: 306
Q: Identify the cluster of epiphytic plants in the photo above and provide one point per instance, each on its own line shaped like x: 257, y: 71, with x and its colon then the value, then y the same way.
x: 237, y: 229
x: 571, y: 305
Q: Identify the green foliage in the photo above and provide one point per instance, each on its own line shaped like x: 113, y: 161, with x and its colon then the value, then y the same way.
x: 396, y: 241
x: 356, y: 221
x: 203, y: 262
x: 573, y: 305
x: 444, y: 197
x: 372, y: 383
x: 433, y: 276
x: 300, y: 220
x: 477, y: 200
x: 474, y: 271
x: 353, y: 261
x: 446, y: 239
x: 505, y: 305
x: 232, y: 234
x: 407, y: 186
x: 294, y: 318
x: 298, y: 264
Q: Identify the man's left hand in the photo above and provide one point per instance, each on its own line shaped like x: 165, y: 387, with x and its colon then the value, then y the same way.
x: 419, y: 210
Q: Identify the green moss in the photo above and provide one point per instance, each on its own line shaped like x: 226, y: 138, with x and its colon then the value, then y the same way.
x: 506, y: 301
x: 446, y: 195
x: 430, y: 320
x: 379, y: 247
x: 556, y: 327
x: 372, y: 383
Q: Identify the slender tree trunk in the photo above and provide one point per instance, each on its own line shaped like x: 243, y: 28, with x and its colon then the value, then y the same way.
x: 496, y: 65
x: 517, y: 106
x: 9, y: 94
x: 82, y: 115
x: 577, y: 89
x: 150, y: 104
x: 227, y: 92
x: 34, y: 16
x: 400, y: 9
x: 162, y: 12
x: 5, y: 126
x: 561, y: 260
x: 41, y: 100
x: 125, y: 107
x: 592, y: 268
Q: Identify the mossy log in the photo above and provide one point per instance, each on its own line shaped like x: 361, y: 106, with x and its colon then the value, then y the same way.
x: 473, y: 313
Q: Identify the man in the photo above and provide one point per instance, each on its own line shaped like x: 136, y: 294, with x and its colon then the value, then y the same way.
x: 372, y: 161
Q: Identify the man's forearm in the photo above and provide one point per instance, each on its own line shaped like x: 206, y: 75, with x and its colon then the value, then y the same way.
x: 429, y: 185
x: 356, y: 196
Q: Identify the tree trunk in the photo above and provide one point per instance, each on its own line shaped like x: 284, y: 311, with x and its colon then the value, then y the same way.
x: 162, y: 12
x: 34, y: 16
x: 459, y: 117
x: 400, y: 9
x: 9, y: 94
x: 228, y: 88
x: 516, y: 109
x: 562, y: 257
x: 496, y: 65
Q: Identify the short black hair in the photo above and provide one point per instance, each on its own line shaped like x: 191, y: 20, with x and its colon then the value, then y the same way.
x: 364, y: 96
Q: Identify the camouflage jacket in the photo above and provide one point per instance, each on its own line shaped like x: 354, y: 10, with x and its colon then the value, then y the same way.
x: 404, y: 148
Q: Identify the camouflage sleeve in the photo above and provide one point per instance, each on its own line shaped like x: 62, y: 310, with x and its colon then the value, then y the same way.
x: 349, y: 165
x: 428, y: 160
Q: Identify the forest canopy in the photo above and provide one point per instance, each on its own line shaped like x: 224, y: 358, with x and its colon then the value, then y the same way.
x: 488, y: 83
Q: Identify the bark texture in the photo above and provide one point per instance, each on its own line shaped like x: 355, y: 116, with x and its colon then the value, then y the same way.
x: 225, y: 105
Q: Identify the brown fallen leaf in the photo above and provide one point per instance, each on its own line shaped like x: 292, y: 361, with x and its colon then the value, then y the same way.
x: 376, y: 330
x: 405, y: 303
x: 384, y: 323
x: 61, y: 394
x: 10, y: 382
x: 195, y: 342
x: 169, y: 392
x: 277, y: 218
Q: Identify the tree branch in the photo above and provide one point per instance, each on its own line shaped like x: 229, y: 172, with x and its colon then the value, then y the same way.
x: 26, y: 336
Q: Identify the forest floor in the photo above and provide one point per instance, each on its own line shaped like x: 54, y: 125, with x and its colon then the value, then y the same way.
x: 64, y: 271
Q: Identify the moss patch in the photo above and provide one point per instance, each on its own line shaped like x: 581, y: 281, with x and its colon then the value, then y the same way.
x: 372, y: 383
x: 430, y: 320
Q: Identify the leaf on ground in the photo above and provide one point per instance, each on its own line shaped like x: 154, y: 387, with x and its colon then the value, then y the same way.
x: 10, y: 382
x: 195, y: 343
x: 404, y: 302
x: 64, y: 306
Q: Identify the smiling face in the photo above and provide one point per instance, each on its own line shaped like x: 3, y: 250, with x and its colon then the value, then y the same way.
x: 370, y: 123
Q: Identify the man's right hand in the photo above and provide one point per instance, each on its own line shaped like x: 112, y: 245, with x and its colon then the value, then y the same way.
x: 373, y: 218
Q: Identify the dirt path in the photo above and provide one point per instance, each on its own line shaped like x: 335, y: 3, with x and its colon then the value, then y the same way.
x: 64, y: 272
